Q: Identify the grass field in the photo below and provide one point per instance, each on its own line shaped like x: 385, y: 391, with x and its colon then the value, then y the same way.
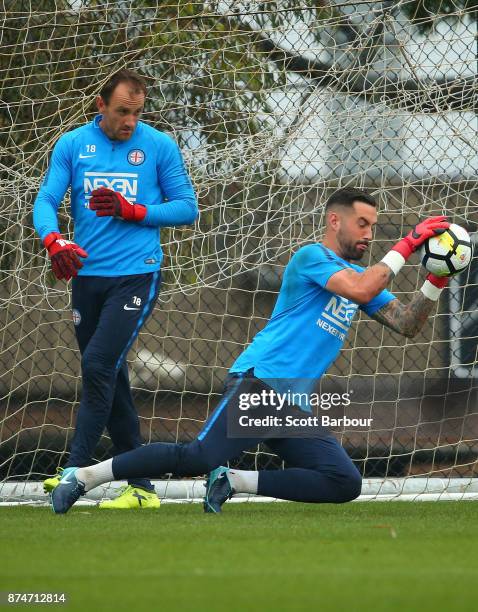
x: 382, y: 556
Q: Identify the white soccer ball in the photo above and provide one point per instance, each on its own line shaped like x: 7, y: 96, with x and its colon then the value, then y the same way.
x: 448, y: 253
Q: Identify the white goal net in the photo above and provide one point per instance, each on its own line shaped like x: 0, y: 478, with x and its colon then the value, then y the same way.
x: 275, y: 105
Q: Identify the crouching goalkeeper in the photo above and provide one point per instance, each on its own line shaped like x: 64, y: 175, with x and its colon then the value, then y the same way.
x: 300, y: 341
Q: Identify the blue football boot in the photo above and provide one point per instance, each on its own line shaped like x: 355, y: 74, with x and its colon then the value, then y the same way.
x: 67, y: 492
x: 218, y: 490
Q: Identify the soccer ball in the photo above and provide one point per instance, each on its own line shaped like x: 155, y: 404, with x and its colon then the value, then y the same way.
x: 448, y: 253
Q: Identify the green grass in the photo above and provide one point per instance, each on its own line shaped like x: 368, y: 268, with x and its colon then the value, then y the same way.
x: 382, y: 556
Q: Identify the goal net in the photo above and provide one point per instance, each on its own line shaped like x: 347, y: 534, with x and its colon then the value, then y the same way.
x: 275, y: 105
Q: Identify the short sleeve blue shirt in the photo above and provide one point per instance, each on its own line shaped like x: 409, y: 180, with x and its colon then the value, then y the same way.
x: 309, y: 324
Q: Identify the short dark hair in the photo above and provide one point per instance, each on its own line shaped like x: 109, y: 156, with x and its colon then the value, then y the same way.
x: 136, y: 81
x: 347, y: 196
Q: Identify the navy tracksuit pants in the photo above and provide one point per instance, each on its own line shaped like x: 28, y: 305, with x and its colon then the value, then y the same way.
x: 108, y: 313
x: 317, y: 469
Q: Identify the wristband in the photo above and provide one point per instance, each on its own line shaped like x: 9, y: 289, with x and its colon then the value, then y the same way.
x: 431, y: 291
x: 394, y: 260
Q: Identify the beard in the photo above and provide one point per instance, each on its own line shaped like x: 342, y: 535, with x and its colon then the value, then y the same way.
x: 350, y: 250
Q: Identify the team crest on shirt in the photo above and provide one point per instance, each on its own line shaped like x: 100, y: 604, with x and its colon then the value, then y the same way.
x: 136, y: 157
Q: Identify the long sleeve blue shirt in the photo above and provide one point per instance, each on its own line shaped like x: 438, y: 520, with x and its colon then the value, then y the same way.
x: 147, y: 169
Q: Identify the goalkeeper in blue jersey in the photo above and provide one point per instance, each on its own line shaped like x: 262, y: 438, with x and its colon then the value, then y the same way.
x: 321, y: 290
x: 127, y: 180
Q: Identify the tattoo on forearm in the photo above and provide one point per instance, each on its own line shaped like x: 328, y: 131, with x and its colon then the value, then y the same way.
x: 406, y: 320
x: 390, y: 274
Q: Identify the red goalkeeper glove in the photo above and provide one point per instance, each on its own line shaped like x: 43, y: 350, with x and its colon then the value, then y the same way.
x: 401, y: 251
x: 108, y: 203
x: 65, y: 256
x: 421, y: 232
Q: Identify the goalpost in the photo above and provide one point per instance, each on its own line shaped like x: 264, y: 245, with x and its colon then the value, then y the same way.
x: 275, y: 105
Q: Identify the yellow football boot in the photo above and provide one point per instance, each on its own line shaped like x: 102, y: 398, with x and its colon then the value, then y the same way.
x: 52, y: 482
x: 132, y: 498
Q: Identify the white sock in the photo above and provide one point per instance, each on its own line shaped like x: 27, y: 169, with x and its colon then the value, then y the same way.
x: 243, y: 481
x: 94, y: 475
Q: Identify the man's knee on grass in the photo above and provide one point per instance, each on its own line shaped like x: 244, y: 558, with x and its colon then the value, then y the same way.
x: 352, y: 487
x: 345, y: 487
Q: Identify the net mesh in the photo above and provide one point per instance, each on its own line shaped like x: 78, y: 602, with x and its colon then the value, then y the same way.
x: 275, y: 105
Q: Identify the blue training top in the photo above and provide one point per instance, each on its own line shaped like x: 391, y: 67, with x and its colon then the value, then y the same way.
x: 147, y: 169
x: 308, y: 325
